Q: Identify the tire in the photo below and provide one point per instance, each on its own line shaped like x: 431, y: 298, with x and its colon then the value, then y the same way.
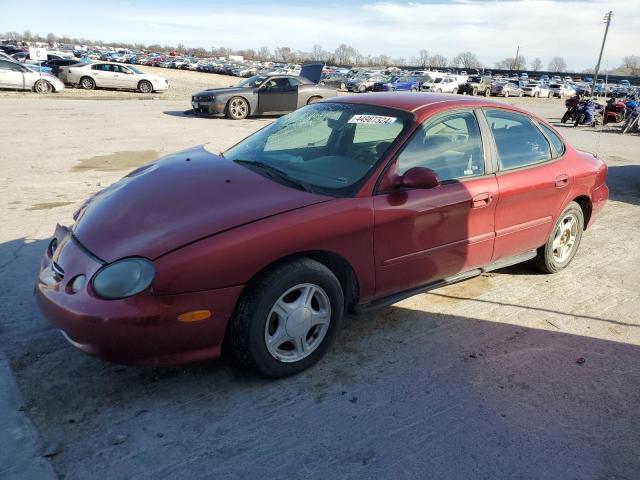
x: 237, y: 108
x: 579, y: 120
x: 414, y: 89
x: 88, y: 83
x: 260, y: 335
x: 566, y: 116
x: 628, y: 125
x: 439, y: 90
x: 313, y: 100
x: 506, y: 93
x: 454, y: 91
x: 362, y: 89
x: 521, y: 94
x: 474, y: 92
x: 145, y: 86
x: 487, y: 92
x: 552, y: 259
x: 42, y: 86
x: 549, y: 95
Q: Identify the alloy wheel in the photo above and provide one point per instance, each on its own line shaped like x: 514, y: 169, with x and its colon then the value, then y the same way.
x: 564, y: 238
x: 297, y: 323
x: 238, y: 108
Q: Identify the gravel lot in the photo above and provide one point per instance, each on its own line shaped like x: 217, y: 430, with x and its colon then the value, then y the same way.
x: 483, y: 379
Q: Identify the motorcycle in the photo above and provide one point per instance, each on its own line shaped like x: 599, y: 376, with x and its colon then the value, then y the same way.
x: 617, y: 110
x: 589, y: 113
x: 572, y: 109
x: 631, y: 122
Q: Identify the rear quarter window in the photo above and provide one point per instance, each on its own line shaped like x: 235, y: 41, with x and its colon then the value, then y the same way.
x: 553, y: 137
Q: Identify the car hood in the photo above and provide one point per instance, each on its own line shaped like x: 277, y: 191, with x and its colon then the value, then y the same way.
x: 218, y: 91
x: 178, y: 200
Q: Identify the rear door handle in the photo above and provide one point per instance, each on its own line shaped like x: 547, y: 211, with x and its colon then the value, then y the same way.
x: 562, y: 180
x: 481, y: 200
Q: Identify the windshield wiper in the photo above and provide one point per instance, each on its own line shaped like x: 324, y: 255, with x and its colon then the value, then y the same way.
x: 273, y: 172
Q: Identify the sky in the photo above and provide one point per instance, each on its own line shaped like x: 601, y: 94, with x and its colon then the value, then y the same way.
x: 492, y: 29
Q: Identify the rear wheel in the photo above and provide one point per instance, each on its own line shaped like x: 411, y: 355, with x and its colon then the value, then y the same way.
x: 506, y: 93
x: 563, y: 242
x: 474, y: 92
x: 237, y: 108
x: 286, y: 321
x: 42, y: 86
x: 414, y: 89
x: 88, y: 83
x: 566, y: 116
x: 579, y: 119
x: 487, y: 92
x: 145, y: 86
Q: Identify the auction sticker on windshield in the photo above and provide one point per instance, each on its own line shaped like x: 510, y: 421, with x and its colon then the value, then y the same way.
x: 372, y: 119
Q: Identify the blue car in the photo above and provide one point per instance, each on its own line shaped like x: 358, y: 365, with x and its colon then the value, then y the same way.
x: 399, y: 84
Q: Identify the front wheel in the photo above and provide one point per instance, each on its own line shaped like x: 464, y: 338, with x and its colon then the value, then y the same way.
x: 145, y: 87
x: 566, y: 116
x: 580, y: 118
x: 506, y: 93
x: 42, y: 86
x: 454, y: 91
x: 563, y: 242
x: 237, y: 108
x: 487, y: 92
x: 313, y: 100
x: 474, y: 92
x: 288, y: 319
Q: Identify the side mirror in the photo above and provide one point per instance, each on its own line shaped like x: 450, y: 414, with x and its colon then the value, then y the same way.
x: 419, y: 177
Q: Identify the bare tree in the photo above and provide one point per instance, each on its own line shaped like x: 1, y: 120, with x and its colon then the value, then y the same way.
x: 557, y: 64
x: 536, y: 65
x: 632, y: 63
x: 264, y: 54
x: 51, y: 38
x: 466, y: 60
x: 438, y: 61
x: 424, y: 58
x: 345, y: 54
x: 283, y: 54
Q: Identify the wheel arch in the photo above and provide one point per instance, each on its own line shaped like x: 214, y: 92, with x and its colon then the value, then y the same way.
x: 587, y: 207
x: 335, y: 262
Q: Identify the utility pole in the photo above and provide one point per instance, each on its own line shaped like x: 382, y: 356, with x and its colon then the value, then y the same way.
x: 607, y: 20
x: 515, y: 60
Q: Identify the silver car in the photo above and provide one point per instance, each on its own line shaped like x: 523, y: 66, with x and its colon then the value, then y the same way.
x: 18, y: 77
x: 112, y: 75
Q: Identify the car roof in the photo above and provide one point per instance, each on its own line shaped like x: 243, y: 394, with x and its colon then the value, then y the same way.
x: 419, y: 102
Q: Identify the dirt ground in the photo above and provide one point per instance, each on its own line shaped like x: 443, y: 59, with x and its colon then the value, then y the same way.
x: 513, y: 374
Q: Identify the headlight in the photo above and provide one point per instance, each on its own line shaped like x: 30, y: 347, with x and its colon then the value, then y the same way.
x: 123, y: 278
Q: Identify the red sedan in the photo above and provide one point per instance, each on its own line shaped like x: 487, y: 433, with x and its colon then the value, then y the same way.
x: 341, y: 206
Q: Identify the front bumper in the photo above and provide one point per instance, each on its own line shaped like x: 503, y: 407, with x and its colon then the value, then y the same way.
x: 143, y: 329
x: 208, y: 107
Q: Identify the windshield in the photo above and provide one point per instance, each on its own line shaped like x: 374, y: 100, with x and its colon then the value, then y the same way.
x: 252, y: 82
x: 328, y: 148
x: 474, y: 80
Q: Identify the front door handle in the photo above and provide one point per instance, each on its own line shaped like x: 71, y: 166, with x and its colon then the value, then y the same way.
x: 481, y: 200
x: 562, y: 180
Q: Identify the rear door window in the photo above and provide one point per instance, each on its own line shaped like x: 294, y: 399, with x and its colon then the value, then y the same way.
x: 518, y: 140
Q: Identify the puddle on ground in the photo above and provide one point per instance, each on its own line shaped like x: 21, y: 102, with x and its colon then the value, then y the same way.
x: 117, y: 161
x: 48, y: 206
